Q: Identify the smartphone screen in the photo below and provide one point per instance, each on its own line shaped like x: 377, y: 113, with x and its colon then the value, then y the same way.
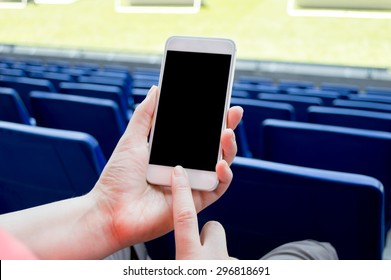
x: 191, y: 110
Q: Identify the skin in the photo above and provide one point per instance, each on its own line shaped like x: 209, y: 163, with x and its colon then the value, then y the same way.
x: 211, y: 243
x: 123, y: 209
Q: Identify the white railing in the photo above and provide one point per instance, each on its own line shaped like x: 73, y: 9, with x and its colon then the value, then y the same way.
x: 13, y: 4
x: 340, y: 8
x: 158, y: 6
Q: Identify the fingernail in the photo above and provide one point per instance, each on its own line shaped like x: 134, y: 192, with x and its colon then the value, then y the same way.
x: 152, y: 89
x: 242, y: 110
x: 178, y: 170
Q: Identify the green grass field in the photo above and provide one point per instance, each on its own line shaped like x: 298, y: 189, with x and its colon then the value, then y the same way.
x: 261, y: 28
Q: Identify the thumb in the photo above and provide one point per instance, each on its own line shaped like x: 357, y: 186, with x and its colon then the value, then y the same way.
x: 141, y: 121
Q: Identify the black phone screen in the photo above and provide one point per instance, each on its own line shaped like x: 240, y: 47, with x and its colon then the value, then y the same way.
x: 191, y: 110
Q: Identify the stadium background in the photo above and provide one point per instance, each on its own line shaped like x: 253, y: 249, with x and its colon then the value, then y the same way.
x: 262, y: 30
x: 269, y: 41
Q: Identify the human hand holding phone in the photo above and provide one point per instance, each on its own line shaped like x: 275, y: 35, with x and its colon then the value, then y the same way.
x: 189, y: 244
x: 136, y: 210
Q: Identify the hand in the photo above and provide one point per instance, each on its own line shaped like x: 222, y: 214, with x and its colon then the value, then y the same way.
x: 135, y: 210
x: 211, y: 244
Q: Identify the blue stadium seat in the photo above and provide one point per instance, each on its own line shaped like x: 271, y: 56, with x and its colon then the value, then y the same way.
x: 350, y: 118
x: 116, y: 68
x: 18, y: 65
x: 327, y: 96
x: 146, y: 71
x: 139, y: 94
x: 278, y: 203
x: 88, y: 66
x: 116, y: 74
x: 240, y: 94
x: 343, y: 89
x: 144, y: 81
x: 123, y: 84
x: 371, y: 98
x: 151, y: 78
x: 23, y: 86
x: 242, y: 141
x: 108, y: 81
x: 255, y: 112
x: 75, y: 72
x: 335, y: 148
x: 12, y: 72
x: 255, y: 80
x: 254, y: 90
x: 386, y: 91
x: 57, y: 64
x: 54, y: 78
x: 42, y: 165
x: 284, y: 85
x: 34, y: 68
x: 300, y: 103
x: 99, y: 117
x: 143, y: 84
x: 12, y: 108
x: 33, y: 61
x: 98, y: 91
x: 363, y: 105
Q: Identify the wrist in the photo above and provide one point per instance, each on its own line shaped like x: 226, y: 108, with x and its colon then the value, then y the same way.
x: 98, y: 224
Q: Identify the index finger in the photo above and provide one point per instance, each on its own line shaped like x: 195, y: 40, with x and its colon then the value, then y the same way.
x: 185, y: 215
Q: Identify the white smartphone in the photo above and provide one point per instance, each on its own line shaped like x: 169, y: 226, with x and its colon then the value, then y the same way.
x: 194, y: 94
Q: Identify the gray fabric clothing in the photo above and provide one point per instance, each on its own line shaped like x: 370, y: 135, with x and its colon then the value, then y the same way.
x: 303, y: 250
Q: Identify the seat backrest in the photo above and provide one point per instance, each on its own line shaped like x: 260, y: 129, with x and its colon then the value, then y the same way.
x: 42, y: 165
x: 122, y: 74
x: 363, y: 105
x: 352, y: 150
x: 386, y: 91
x: 300, y: 103
x: 371, y: 98
x: 23, y: 86
x: 99, y: 117
x: 255, y: 112
x: 342, y: 88
x: 53, y: 77
x: 240, y: 94
x: 108, y: 81
x: 12, y: 108
x: 278, y: 203
x: 284, y: 85
x: 97, y: 91
x: 151, y: 78
x: 269, y: 204
x: 243, y: 149
x: 327, y: 96
x: 254, y: 89
x: 350, y: 118
x: 255, y: 80
x: 138, y: 95
x: 143, y: 84
x: 12, y: 72
x: 75, y: 72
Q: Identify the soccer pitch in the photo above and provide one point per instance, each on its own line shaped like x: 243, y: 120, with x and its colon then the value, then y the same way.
x: 262, y: 30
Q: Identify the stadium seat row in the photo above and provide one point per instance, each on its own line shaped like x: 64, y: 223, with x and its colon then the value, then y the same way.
x: 319, y: 180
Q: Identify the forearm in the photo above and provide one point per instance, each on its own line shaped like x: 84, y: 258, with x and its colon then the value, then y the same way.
x: 69, y: 229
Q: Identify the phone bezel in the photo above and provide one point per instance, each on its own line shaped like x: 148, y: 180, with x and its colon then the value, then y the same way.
x: 199, y: 179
